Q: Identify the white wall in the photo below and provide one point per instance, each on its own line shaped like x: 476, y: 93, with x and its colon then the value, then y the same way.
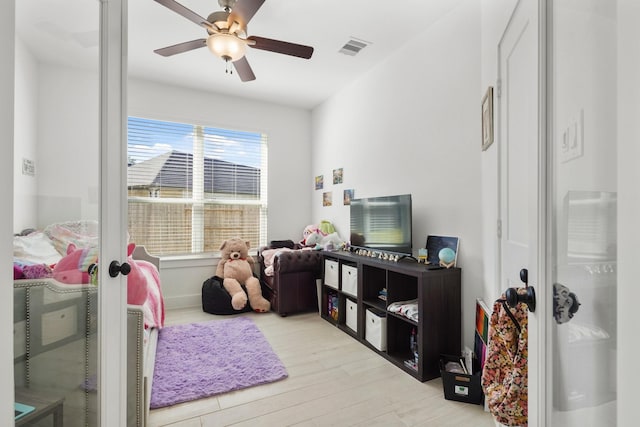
x: 68, y: 144
x: 26, y: 134
x: 412, y: 125
x: 57, y: 127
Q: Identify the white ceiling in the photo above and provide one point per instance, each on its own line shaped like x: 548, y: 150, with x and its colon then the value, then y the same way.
x: 66, y: 31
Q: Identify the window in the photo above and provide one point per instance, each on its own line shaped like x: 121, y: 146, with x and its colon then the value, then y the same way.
x: 191, y: 187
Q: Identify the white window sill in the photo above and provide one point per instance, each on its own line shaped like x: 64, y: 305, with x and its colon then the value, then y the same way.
x: 189, y: 261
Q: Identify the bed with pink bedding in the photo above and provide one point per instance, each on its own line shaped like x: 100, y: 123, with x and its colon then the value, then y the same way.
x: 54, y: 305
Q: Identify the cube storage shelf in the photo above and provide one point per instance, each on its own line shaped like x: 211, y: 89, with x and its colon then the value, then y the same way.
x: 438, y: 293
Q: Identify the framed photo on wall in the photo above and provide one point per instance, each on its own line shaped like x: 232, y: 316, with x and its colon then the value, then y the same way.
x: 348, y: 196
x: 337, y: 176
x: 327, y: 198
x: 487, y: 119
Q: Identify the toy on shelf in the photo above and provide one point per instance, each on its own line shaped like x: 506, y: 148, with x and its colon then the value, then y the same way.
x: 447, y: 257
x: 422, y: 256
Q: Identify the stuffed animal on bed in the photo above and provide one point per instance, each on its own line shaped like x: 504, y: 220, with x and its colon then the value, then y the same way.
x: 73, y: 269
x: 235, y: 268
x: 74, y: 266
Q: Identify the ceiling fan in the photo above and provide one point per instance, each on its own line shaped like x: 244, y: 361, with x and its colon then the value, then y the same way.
x: 227, y: 35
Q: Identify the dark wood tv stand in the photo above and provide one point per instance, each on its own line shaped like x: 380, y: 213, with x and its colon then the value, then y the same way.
x: 438, y: 295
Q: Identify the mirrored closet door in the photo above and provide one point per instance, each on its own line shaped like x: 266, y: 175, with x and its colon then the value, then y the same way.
x: 68, y: 204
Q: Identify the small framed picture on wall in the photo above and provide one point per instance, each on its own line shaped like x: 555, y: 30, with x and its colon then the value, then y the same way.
x: 337, y: 176
x: 327, y: 198
x: 348, y: 195
x: 319, y: 182
x: 487, y: 119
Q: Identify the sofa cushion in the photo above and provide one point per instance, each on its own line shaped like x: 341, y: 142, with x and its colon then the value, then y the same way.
x: 275, y: 244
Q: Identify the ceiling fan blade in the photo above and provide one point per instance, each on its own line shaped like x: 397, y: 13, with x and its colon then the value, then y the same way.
x: 278, y: 46
x: 244, y: 69
x: 187, y: 13
x: 243, y: 11
x: 181, y: 47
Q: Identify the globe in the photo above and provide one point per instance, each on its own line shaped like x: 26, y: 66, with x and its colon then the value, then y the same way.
x: 447, y: 255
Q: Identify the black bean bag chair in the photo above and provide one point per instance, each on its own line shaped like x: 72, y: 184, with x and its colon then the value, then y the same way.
x: 216, y: 299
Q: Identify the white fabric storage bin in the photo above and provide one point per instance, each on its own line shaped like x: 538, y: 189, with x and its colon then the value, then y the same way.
x: 350, y: 280
x: 375, y: 330
x: 351, y: 319
x: 331, y: 273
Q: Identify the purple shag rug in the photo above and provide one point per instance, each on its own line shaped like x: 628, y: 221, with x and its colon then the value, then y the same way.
x: 199, y: 360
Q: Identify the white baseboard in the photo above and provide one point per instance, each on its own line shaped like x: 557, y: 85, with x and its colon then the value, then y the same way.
x: 183, y: 301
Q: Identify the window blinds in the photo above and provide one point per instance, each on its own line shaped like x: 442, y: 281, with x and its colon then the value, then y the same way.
x: 190, y: 187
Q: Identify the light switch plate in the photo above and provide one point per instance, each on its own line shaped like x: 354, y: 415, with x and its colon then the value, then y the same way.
x: 572, y: 139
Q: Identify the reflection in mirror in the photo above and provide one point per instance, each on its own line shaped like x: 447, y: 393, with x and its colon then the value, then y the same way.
x: 591, y: 226
x: 56, y: 189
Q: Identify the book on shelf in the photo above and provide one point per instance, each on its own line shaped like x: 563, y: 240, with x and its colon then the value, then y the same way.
x: 20, y: 410
x: 411, y: 363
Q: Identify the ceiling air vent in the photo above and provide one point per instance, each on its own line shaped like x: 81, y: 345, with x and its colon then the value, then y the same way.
x: 353, y: 46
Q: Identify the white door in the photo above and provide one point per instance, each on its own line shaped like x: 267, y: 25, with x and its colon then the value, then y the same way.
x: 520, y: 160
x: 69, y: 125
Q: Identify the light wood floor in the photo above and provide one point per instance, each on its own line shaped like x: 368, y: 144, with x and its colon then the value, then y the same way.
x: 333, y: 381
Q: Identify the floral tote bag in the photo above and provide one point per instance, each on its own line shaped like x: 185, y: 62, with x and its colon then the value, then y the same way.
x: 504, y: 375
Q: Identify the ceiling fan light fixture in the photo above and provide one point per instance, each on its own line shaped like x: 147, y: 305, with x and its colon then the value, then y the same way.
x: 219, y: 20
x: 226, y: 46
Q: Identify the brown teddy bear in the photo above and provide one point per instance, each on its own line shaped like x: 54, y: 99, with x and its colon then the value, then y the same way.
x: 235, y: 267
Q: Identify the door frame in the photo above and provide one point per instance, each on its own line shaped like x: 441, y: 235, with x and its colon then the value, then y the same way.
x: 540, y: 322
x: 112, y: 326
x: 7, y: 107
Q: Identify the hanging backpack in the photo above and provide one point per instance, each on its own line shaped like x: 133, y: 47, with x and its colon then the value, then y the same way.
x: 504, y: 375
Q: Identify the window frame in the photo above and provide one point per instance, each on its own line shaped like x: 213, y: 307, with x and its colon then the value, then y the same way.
x: 212, y: 198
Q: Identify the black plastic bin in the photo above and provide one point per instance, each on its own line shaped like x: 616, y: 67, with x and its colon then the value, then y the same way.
x: 458, y: 386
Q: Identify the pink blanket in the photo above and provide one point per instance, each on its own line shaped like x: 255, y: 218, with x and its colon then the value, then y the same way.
x: 269, y: 254
x: 143, y: 289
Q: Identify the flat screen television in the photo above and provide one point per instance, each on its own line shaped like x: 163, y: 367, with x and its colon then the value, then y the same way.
x: 382, y: 223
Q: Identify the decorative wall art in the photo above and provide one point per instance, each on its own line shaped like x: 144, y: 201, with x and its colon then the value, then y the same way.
x: 348, y: 195
x: 487, y: 119
x: 319, y: 182
x: 327, y: 198
x: 337, y: 176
